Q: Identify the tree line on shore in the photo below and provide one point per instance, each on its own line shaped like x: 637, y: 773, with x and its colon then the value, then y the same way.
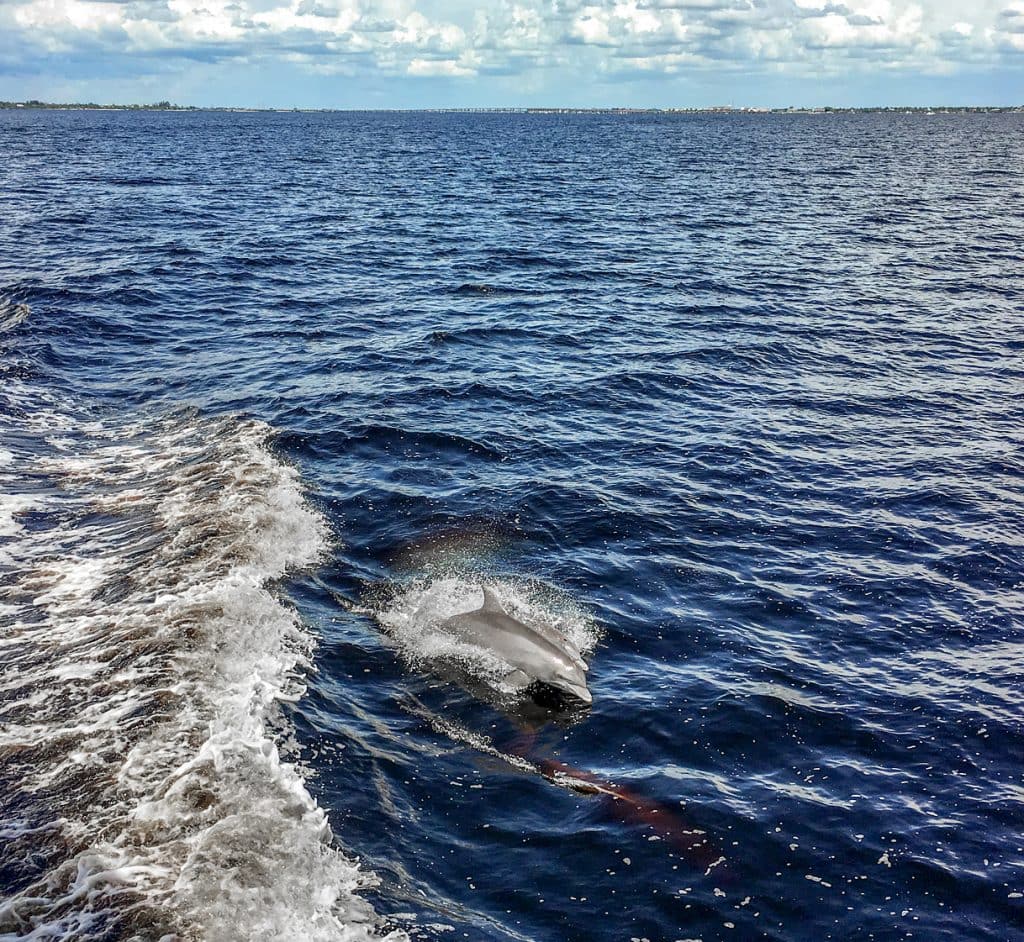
x: 880, y: 109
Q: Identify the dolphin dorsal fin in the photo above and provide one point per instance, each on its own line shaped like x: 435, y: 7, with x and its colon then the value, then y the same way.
x: 491, y: 603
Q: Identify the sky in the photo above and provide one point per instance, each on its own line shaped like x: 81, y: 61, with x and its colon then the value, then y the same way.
x: 514, y: 53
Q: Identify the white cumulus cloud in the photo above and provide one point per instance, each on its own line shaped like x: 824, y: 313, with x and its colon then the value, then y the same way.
x: 464, y: 41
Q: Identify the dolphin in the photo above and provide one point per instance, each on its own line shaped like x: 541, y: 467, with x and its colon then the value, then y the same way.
x: 538, y: 653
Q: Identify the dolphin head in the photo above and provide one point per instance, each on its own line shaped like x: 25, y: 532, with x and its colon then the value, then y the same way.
x: 572, y: 681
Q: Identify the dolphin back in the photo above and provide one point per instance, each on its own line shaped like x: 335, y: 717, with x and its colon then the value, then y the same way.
x: 537, y: 652
x: 553, y: 636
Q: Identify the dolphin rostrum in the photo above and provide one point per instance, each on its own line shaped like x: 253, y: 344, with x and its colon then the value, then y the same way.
x: 538, y: 653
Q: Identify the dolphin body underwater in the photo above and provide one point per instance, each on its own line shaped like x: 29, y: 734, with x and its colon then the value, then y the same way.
x: 538, y: 653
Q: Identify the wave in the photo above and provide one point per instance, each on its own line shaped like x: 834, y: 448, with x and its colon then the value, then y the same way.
x: 147, y: 655
x: 11, y: 314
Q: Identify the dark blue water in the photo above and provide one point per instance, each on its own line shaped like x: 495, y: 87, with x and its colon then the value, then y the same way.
x: 743, y: 395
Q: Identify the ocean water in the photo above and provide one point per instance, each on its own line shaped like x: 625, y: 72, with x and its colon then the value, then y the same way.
x: 734, y: 402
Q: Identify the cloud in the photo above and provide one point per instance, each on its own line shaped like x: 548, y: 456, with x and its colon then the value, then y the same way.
x: 460, y: 41
x: 1011, y: 20
x: 438, y: 67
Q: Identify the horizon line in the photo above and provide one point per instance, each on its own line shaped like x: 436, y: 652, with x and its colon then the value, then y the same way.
x: 37, y: 104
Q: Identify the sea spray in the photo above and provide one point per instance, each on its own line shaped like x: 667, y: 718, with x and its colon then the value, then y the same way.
x: 412, y: 614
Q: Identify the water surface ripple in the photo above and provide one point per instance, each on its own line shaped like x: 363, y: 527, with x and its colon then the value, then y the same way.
x: 740, y: 396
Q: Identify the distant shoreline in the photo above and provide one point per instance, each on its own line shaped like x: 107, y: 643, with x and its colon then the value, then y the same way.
x: 167, y: 106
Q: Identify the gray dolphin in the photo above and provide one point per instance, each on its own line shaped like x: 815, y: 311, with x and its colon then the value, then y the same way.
x: 537, y: 652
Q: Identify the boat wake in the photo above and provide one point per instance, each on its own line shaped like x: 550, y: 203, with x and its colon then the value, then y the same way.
x: 147, y: 655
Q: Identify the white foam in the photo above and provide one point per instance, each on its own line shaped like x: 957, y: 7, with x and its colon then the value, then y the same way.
x: 11, y: 314
x: 145, y: 662
x: 10, y: 506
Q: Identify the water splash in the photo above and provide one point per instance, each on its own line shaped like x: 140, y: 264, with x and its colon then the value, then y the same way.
x: 412, y: 615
